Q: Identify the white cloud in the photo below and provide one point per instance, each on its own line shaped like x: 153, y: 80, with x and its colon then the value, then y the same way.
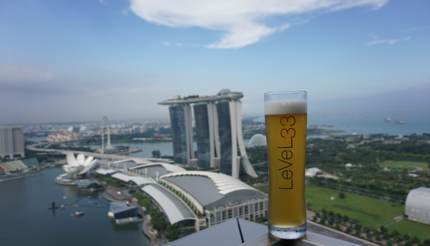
x: 242, y: 22
x: 386, y: 41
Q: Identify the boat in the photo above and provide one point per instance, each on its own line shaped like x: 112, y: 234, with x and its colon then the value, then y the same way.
x: 78, y: 214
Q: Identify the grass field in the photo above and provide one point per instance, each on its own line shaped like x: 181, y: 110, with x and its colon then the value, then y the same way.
x: 412, y: 228
x: 369, y: 211
x: 403, y: 164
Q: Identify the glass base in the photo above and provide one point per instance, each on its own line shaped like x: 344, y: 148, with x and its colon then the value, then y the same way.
x: 289, y: 232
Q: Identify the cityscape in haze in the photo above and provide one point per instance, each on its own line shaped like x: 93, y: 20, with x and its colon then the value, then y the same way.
x: 142, y: 122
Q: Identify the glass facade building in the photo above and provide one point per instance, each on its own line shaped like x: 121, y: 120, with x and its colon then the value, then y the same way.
x: 202, y: 135
x: 177, y: 119
x: 224, y: 125
x: 217, y: 136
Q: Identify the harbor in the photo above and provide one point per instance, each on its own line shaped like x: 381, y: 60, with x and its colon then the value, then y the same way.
x: 78, y: 218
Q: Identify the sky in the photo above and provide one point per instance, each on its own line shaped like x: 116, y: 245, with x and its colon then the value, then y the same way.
x: 79, y: 60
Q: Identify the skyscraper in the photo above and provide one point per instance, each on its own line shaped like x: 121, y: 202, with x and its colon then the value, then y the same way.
x: 181, y: 119
x: 224, y: 128
x: 218, y: 132
x: 177, y: 121
x: 202, y: 135
x: 12, y: 142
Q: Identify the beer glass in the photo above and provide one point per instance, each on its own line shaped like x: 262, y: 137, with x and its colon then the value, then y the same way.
x: 286, y: 125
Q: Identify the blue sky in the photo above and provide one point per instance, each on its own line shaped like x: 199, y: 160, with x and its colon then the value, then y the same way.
x: 80, y: 60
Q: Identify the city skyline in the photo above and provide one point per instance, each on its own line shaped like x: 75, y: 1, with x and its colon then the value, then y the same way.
x: 116, y: 60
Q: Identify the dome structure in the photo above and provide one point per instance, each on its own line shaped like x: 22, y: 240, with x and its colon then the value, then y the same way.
x: 78, y: 165
x: 257, y: 140
x: 417, y: 205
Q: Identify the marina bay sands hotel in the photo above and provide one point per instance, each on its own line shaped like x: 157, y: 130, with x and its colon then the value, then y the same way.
x: 218, y: 132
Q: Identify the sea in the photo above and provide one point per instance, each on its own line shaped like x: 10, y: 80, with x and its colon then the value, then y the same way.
x: 378, y: 126
x: 351, y: 125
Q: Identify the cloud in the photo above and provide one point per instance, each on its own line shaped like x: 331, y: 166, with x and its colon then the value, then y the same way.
x: 241, y: 22
x: 386, y: 41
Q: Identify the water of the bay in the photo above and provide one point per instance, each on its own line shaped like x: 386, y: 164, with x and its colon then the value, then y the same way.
x: 26, y: 220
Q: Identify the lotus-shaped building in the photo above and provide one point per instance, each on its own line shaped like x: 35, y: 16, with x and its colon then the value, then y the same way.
x: 78, y: 165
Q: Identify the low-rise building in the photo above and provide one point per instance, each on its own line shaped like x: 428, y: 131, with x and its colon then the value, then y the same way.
x: 13, y: 167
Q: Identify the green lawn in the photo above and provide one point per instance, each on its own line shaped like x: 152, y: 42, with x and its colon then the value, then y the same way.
x: 369, y: 211
x: 419, y: 230
x: 403, y: 164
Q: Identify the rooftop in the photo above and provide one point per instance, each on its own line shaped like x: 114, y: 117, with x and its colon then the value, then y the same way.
x: 419, y: 198
x: 139, y: 181
x: 157, y: 169
x: 228, y: 234
x: 213, y: 189
x: 224, y: 94
x: 173, y: 208
x: 117, y: 207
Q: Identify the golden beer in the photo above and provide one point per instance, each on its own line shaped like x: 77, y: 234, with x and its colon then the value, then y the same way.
x: 286, y: 125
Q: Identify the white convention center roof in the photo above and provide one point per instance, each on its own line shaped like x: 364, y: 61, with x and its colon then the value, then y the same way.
x: 172, y: 207
x: 135, y: 179
x: 224, y: 183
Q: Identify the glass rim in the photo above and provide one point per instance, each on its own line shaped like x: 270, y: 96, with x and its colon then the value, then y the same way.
x: 305, y: 92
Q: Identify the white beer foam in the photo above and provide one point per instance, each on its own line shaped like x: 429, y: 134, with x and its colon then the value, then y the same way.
x: 291, y: 107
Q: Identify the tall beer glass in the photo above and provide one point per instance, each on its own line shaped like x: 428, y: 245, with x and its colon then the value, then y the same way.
x: 286, y: 124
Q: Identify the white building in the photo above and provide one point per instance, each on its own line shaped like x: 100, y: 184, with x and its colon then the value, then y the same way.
x: 417, y: 205
x: 194, y: 198
x: 216, y: 197
x: 12, y: 142
x: 257, y: 140
x: 313, y: 171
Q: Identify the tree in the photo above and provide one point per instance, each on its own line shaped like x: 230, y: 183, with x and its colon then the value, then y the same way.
x: 324, y: 211
x: 342, y: 195
x: 426, y: 242
x: 345, y: 218
x: 172, y: 232
x: 415, y: 240
x: 358, y: 228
